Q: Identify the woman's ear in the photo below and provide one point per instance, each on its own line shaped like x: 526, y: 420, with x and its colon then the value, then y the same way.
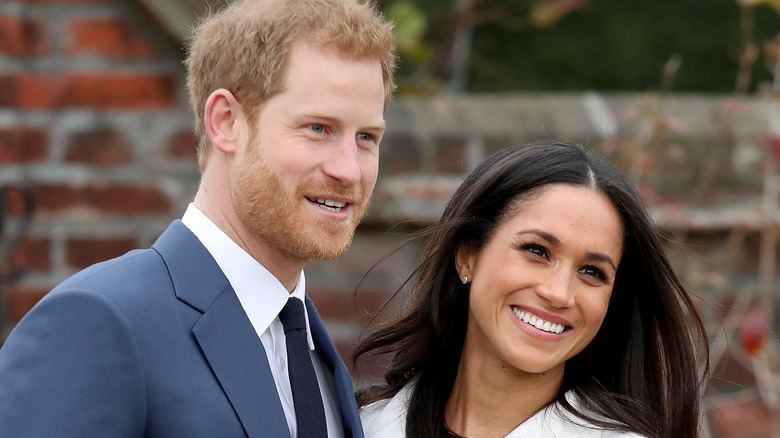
x: 223, y: 116
x: 465, y: 262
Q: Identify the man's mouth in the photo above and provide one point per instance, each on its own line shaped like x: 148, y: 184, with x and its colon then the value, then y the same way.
x: 537, y: 322
x: 329, y: 204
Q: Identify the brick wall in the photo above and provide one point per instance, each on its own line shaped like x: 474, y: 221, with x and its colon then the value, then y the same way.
x: 93, y: 116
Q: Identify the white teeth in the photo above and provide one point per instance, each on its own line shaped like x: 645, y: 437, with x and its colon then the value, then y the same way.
x: 332, y: 205
x: 537, y: 322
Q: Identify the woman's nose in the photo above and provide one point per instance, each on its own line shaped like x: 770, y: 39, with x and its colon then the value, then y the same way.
x: 555, y: 287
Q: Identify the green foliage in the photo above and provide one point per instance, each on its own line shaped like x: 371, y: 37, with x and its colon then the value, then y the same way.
x: 410, y: 25
x: 602, y: 45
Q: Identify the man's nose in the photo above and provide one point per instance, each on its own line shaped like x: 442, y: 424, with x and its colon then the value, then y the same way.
x: 343, y: 164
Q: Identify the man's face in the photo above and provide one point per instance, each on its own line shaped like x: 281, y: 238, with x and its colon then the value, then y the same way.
x: 303, y: 182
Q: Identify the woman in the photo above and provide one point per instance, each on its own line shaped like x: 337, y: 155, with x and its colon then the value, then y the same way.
x: 543, y: 306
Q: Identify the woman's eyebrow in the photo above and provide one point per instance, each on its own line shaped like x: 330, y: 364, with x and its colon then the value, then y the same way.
x: 596, y: 256
x: 601, y: 258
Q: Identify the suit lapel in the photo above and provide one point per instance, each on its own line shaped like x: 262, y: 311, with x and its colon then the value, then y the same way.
x: 343, y: 383
x: 225, y: 334
x: 237, y: 358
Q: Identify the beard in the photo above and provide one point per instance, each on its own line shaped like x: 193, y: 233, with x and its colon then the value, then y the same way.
x: 276, y: 213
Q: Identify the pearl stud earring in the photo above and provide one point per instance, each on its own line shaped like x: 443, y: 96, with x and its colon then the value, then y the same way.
x: 465, y: 279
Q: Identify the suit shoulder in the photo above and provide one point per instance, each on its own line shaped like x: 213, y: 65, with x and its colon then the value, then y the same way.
x: 137, y: 271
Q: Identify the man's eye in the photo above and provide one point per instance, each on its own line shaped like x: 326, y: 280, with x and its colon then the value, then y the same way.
x: 317, y: 128
x: 365, y: 137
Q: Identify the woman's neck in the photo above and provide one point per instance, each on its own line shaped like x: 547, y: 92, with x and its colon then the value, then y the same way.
x: 490, y: 400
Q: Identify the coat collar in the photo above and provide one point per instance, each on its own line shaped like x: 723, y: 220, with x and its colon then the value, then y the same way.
x: 224, y: 333
x: 197, y: 279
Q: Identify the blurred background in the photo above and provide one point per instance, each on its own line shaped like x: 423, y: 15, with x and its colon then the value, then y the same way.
x: 97, y: 153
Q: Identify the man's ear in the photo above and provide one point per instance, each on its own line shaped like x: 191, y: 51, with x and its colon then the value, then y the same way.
x: 222, y: 118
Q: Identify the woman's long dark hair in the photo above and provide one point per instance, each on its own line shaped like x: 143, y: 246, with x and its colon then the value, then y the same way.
x: 638, y: 374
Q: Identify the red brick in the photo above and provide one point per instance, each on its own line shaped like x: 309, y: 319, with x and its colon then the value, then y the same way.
x: 32, y: 254
x: 400, y: 154
x: 386, y: 259
x: 183, y: 145
x: 57, y: 198
x: 429, y: 192
x: 102, y: 147
x: 95, y: 90
x: 111, y: 37
x: 81, y: 253
x: 19, y: 199
x: 10, y: 94
x: 127, y: 199
x: 741, y: 419
x: 23, y: 37
x: 19, y: 300
x: 343, y: 305
x: 107, y: 198
x: 23, y: 144
x: 450, y: 155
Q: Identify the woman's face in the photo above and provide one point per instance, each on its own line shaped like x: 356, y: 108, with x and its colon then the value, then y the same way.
x: 540, y: 287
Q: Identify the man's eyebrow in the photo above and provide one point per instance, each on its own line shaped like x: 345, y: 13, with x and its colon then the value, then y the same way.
x: 377, y: 125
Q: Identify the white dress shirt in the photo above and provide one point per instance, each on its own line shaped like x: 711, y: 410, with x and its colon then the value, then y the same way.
x: 262, y: 296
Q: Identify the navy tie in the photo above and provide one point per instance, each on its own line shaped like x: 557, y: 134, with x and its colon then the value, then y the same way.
x: 309, y: 413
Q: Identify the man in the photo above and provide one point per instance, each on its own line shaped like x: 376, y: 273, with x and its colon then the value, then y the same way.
x: 185, y: 339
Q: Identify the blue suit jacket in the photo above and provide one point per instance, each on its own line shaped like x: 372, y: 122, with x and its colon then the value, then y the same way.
x: 151, y: 344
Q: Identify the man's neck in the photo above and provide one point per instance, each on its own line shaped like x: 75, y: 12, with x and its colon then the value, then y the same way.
x: 286, y: 268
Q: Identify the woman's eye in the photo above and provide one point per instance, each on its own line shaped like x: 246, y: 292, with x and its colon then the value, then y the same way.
x: 536, y: 250
x: 594, y: 272
x: 365, y: 137
x: 317, y: 128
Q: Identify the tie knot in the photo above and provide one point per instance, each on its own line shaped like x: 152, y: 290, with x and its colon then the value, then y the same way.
x: 292, y: 315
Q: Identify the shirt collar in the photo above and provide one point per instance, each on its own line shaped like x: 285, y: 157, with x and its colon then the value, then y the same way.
x: 261, y: 294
